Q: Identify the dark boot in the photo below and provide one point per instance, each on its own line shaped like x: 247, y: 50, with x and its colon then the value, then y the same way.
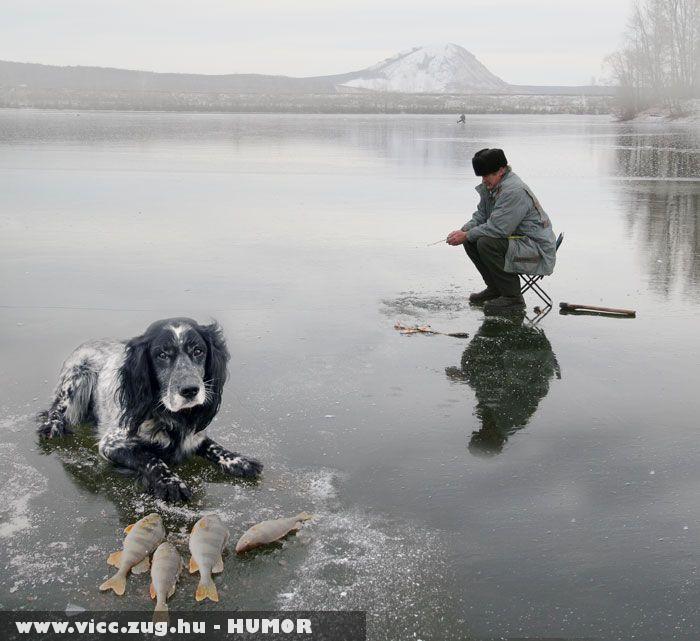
x: 505, y: 305
x: 488, y: 255
x: 477, y: 298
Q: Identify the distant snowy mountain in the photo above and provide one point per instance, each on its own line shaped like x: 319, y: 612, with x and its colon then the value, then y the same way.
x: 445, y: 68
x: 441, y: 69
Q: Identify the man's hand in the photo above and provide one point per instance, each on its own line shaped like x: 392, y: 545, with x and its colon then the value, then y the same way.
x: 457, y: 237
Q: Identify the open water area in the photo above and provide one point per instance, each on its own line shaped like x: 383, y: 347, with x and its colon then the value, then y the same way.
x: 529, y: 481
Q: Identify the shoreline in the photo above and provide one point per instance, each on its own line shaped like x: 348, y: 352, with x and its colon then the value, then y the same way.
x: 345, y: 103
x: 690, y: 112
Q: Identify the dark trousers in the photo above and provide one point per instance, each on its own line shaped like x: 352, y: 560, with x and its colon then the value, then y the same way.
x: 489, y: 257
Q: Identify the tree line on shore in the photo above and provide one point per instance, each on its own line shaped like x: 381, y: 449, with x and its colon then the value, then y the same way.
x: 659, y: 62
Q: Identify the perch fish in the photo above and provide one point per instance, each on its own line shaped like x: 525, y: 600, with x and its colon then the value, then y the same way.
x: 165, y: 570
x: 207, y: 541
x: 270, y: 531
x: 426, y: 329
x: 141, y: 539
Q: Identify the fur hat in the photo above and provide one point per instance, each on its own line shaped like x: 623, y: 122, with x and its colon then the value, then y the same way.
x: 487, y: 161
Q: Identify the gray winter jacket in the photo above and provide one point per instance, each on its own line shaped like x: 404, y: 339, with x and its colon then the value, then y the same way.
x: 512, y: 211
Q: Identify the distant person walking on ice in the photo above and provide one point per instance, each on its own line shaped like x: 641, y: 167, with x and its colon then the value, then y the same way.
x: 462, y: 119
x: 508, y: 234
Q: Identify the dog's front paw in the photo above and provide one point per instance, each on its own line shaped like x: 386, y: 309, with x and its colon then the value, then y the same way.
x: 169, y: 488
x: 237, y: 465
x: 52, y: 425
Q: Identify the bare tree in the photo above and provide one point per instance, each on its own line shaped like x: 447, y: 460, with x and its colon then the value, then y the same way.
x: 659, y: 62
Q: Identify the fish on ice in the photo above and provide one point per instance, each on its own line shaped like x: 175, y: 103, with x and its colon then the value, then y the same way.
x: 166, y: 566
x: 208, y: 539
x: 270, y: 531
x: 141, y: 539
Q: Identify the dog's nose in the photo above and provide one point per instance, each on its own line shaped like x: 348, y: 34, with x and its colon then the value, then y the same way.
x: 189, y: 392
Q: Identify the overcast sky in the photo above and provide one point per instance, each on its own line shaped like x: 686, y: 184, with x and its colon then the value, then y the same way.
x: 523, y: 42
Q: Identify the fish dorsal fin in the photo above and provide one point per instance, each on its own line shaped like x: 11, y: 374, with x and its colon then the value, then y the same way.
x: 141, y: 567
x: 114, y: 558
x: 128, y: 528
x: 193, y: 565
x: 218, y: 566
x: 152, y: 590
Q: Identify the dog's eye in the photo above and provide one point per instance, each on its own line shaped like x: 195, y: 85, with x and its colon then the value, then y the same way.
x: 163, y: 356
x: 197, y: 351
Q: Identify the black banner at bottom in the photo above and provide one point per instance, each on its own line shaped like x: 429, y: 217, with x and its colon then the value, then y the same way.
x: 184, y: 626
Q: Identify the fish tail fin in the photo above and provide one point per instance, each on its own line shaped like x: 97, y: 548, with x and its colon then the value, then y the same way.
x: 161, y: 612
x: 116, y: 583
x: 206, y: 590
x: 143, y: 566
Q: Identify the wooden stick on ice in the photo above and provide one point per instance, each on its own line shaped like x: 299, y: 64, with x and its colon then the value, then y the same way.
x: 571, y: 307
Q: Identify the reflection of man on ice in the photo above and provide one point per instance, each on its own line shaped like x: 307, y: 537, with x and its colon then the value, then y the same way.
x: 509, y: 365
x: 509, y: 234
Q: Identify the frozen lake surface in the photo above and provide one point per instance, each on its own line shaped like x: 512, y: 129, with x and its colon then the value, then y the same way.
x: 522, y: 482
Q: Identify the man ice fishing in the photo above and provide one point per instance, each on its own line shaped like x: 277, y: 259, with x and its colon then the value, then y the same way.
x: 509, y: 234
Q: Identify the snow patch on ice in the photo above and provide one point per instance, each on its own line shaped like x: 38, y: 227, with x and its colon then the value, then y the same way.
x: 322, y: 485
x: 352, y: 558
x: 14, y: 423
x: 21, y: 483
x: 418, y: 305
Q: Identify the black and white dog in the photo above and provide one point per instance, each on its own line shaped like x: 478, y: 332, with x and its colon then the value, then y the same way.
x: 151, y: 398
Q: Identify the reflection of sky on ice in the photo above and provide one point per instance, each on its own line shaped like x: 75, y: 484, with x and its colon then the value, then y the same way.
x: 663, y: 206
x: 306, y: 238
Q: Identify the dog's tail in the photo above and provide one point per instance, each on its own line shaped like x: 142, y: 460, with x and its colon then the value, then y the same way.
x: 71, y: 403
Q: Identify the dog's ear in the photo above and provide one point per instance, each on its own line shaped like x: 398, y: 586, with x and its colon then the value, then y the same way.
x: 136, y: 389
x: 215, y: 372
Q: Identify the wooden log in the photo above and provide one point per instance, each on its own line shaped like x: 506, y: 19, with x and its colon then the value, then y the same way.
x: 572, y: 307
